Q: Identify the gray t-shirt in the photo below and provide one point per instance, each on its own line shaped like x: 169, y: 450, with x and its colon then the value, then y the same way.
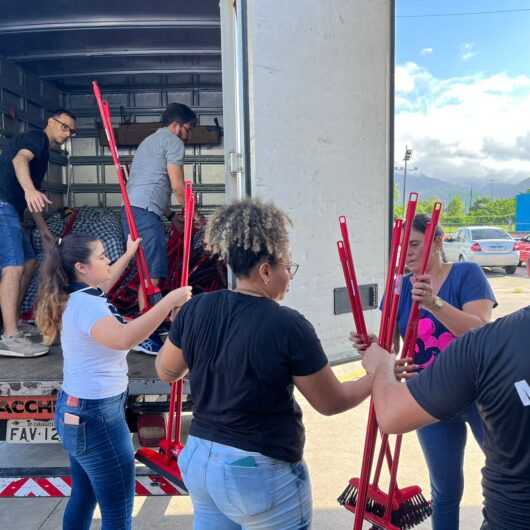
x: 148, y: 186
x: 490, y: 366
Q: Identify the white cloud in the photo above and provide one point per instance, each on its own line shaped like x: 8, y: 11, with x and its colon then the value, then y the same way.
x: 426, y: 51
x: 409, y: 77
x: 467, y: 51
x: 464, y: 127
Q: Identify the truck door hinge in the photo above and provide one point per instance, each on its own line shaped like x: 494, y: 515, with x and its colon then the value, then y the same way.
x: 235, y: 162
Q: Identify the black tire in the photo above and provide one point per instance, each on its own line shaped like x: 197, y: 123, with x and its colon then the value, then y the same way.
x: 510, y: 270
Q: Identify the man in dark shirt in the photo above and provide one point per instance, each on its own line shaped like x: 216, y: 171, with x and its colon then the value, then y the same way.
x: 491, y: 366
x: 23, y: 164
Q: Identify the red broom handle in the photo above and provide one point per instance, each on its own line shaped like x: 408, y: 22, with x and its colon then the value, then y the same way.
x: 390, y: 282
x: 409, y: 220
x: 371, y: 428
x: 358, y: 318
x: 409, y: 343
x: 387, y: 324
x: 394, y: 303
x: 184, y: 282
x: 146, y: 284
x: 175, y: 400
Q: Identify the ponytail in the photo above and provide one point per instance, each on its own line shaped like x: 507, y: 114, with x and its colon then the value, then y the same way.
x: 57, y: 272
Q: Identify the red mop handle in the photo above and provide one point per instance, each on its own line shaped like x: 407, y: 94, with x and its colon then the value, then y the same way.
x: 371, y: 428
x: 175, y: 399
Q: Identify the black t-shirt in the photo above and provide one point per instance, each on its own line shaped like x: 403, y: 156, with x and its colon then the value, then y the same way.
x: 492, y: 366
x: 242, y: 352
x: 10, y: 190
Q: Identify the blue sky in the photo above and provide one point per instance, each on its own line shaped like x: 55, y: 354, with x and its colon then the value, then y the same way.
x: 501, y: 42
x: 463, y: 88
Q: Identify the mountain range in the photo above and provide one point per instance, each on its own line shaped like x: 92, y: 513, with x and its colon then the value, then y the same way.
x: 433, y: 188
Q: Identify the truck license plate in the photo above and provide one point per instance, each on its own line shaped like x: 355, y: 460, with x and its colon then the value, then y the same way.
x: 31, y: 431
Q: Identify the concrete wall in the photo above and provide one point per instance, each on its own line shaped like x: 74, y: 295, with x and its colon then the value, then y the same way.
x: 320, y: 84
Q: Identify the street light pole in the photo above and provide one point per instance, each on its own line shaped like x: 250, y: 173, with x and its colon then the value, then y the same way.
x: 406, y: 158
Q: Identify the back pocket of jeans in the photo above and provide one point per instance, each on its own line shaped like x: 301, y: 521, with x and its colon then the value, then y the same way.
x: 74, y: 438
x: 248, y: 488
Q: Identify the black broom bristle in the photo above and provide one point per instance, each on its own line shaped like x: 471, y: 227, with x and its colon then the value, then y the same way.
x: 348, y: 496
x: 411, y: 512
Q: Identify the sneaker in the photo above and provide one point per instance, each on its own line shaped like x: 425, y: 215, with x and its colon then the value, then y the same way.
x: 20, y: 346
x: 27, y: 329
x: 151, y: 345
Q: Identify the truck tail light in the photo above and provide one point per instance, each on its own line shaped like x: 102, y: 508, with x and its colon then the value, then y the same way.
x: 151, y: 429
x: 475, y: 247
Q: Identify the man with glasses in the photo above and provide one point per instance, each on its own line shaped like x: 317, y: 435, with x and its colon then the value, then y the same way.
x: 157, y: 171
x: 23, y: 164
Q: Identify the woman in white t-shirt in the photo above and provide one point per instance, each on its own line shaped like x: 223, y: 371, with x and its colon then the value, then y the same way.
x: 90, y: 413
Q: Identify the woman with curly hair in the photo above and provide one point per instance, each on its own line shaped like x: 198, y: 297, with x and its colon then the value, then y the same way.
x: 95, y: 340
x: 243, y: 461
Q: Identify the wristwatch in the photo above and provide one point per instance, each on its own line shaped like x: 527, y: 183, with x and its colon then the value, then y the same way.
x: 437, y: 303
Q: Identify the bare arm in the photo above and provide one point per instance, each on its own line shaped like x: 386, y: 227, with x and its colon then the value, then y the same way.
x: 395, y: 408
x: 328, y: 395
x: 458, y: 321
x: 170, y: 364
x: 117, y: 268
x: 35, y: 199
x: 176, y: 179
x: 113, y: 334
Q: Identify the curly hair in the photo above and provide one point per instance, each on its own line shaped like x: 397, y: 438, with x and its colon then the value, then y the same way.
x: 246, y: 232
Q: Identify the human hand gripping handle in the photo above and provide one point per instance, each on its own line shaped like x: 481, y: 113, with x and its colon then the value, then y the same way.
x: 359, y: 344
x: 374, y: 357
x: 132, y: 246
x: 422, y: 291
x: 179, y: 296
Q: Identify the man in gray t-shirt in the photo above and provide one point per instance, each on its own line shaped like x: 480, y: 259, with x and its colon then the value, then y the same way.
x: 156, y: 171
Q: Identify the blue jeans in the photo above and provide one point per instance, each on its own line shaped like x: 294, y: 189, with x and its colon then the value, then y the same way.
x: 151, y: 230
x: 102, y: 462
x: 443, y: 445
x: 232, y: 489
x: 16, y: 247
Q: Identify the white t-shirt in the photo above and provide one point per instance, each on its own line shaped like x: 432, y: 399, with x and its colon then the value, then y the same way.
x: 91, y: 370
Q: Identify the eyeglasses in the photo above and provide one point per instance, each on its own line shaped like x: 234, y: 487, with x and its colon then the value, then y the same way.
x: 66, y: 128
x: 292, y: 268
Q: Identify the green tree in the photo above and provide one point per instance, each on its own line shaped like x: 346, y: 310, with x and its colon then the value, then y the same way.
x: 492, y: 211
x: 455, y: 213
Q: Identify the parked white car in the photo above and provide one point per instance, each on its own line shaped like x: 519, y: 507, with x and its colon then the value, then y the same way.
x: 487, y: 246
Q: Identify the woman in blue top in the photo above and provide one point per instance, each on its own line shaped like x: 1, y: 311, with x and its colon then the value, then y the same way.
x: 454, y: 299
x: 90, y: 412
